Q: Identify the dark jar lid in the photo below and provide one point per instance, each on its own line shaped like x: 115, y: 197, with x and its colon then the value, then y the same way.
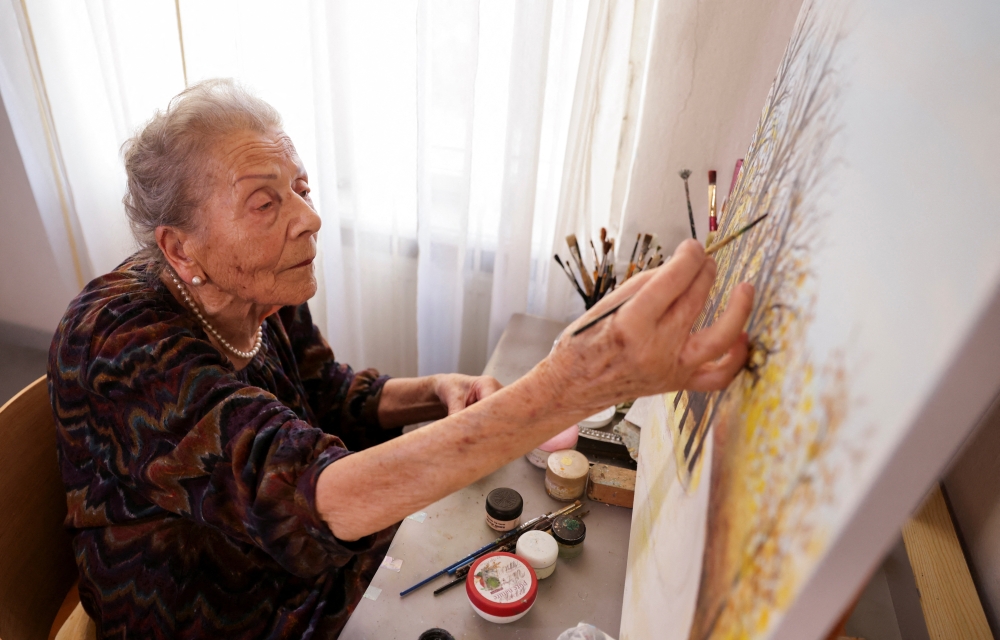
x: 504, y: 504
x: 436, y: 634
x: 569, y: 530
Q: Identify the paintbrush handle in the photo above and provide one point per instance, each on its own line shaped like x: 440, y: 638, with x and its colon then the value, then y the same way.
x: 588, y: 286
x: 721, y: 243
x: 601, y: 317
x: 718, y: 245
x: 453, y: 583
x: 569, y: 274
x: 421, y: 583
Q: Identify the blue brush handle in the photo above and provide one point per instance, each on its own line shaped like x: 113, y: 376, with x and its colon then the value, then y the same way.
x: 451, y: 569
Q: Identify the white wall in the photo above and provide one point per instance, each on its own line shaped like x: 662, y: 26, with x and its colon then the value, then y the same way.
x: 711, y: 66
x: 32, y: 294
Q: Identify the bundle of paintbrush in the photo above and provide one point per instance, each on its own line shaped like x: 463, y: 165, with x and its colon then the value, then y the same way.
x: 596, y: 283
x: 646, y: 258
x: 544, y: 525
x: 505, y: 539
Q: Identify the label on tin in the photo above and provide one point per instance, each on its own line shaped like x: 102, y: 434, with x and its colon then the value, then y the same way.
x: 502, y: 525
x: 503, y: 579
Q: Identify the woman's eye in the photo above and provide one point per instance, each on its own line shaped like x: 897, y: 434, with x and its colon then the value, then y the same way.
x: 265, y: 206
x: 304, y: 193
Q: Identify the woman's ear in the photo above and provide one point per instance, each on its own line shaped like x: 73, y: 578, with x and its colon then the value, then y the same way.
x: 172, y: 243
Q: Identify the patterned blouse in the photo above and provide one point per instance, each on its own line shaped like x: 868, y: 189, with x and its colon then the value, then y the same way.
x: 191, y: 487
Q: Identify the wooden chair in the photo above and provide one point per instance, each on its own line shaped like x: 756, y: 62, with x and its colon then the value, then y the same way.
x: 37, y: 569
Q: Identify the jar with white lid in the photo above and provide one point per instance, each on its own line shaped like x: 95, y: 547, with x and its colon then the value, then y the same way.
x: 540, y: 550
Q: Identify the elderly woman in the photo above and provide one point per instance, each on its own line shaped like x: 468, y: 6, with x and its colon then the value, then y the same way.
x: 225, y: 476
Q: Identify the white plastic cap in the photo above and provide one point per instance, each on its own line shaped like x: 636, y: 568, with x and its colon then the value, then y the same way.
x: 538, y: 548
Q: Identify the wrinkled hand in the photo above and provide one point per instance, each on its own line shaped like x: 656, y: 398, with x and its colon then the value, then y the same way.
x: 647, y: 347
x: 457, y: 391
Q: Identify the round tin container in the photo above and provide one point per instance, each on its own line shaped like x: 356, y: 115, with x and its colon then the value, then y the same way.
x: 569, y: 533
x: 501, y: 587
x: 566, y: 475
x: 540, y: 550
x: 503, y: 509
x: 539, y: 456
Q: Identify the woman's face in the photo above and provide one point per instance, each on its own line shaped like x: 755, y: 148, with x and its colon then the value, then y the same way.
x: 256, y: 235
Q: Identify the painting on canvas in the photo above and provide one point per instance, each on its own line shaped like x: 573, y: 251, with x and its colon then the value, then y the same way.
x: 742, y: 493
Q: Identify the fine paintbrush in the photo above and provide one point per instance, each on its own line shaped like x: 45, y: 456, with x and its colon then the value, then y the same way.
x: 569, y: 274
x: 715, y: 247
x: 574, y: 250
x: 721, y: 243
x: 687, y: 192
x: 631, y: 261
x: 596, y: 260
x: 644, y: 248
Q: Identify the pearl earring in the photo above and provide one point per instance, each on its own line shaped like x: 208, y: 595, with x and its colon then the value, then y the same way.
x: 197, y: 281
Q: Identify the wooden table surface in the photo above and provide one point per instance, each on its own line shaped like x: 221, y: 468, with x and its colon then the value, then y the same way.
x: 588, y: 588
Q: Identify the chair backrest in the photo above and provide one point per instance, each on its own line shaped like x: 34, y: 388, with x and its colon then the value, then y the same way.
x: 36, y: 558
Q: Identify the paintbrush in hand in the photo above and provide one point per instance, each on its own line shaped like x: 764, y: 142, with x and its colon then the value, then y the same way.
x: 721, y: 243
x: 708, y: 251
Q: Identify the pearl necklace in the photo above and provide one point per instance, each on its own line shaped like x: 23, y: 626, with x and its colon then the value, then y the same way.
x: 248, y: 355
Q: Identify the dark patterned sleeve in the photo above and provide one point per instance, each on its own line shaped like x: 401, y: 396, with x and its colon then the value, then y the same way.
x: 345, y: 402
x: 179, y: 431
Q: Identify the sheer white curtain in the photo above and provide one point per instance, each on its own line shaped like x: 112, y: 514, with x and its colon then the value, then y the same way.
x: 451, y: 144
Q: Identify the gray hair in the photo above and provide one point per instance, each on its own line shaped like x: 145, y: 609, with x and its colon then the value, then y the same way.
x: 165, y: 159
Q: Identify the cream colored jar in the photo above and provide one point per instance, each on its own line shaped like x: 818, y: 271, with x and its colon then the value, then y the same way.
x: 566, y: 475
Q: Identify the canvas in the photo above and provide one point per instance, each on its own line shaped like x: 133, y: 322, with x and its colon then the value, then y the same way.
x: 761, y: 508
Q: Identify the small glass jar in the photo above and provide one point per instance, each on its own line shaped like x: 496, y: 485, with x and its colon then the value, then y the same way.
x: 503, y: 509
x: 569, y: 533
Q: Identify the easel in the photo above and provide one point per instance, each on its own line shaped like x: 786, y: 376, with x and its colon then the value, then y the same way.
x: 948, y: 598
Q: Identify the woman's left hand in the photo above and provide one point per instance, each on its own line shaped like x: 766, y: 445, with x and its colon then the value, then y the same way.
x: 457, y: 391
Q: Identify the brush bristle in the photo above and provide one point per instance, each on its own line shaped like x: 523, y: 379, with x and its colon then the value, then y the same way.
x: 711, y: 177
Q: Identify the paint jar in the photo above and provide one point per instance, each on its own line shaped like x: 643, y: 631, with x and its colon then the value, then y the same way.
x: 503, y: 509
x: 539, y: 456
x: 566, y: 475
x: 599, y: 420
x: 569, y: 532
x: 501, y: 587
x: 540, y: 550
x: 436, y: 634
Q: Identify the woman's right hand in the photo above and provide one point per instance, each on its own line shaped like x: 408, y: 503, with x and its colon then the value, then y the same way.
x: 646, y: 347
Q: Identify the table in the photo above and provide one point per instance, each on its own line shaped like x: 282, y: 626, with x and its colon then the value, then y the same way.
x: 588, y: 588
